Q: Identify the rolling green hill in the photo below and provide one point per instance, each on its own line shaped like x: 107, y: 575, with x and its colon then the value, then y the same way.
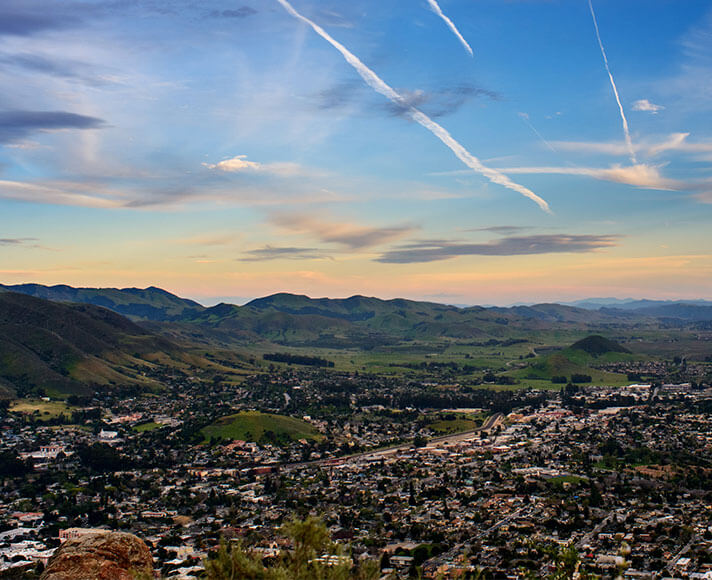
x: 65, y: 349
x: 597, y: 345
x: 577, y: 360
x: 253, y: 425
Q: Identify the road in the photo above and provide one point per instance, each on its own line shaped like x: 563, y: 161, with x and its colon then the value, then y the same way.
x: 490, y: 424
x: 589, y: 536
x: 681, y: 553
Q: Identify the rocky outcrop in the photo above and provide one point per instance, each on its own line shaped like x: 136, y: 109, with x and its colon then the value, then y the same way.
x: 109, y: 556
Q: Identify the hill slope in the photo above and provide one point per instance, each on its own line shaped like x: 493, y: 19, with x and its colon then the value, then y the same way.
x: 136, y: 303
x: 597, y: 345
x: 358, y: 321
x: 70, y: 348
x: 578, y: 359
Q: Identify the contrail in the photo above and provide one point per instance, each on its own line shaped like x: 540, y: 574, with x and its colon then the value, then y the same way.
x: 436, y: 8
x: 380, y: 86
x: 525, y: 118
x: 626, y: 131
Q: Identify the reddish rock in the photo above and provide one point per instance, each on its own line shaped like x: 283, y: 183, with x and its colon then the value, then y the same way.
x: 109, y: 556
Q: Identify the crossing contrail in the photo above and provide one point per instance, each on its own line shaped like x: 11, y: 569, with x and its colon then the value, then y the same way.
x: 525, y: 118
x: 381, y: 87
x: 626, y: 131
x: 451, y: 25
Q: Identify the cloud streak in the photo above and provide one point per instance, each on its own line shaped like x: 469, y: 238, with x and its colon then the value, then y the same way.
x: 641, y: 175
x: 626, y: 130
x: 438, y: 250
x: 380, y: 86
x: 435, y: 7
x: 438, y: 102
x: 15, y: 125
x: 283, y: 253
x: 353, y: 236
x: 673, y: 142
x: 17, y: 19
x: 16, y: 241
x: 242, y: 12
x: 525, y: 119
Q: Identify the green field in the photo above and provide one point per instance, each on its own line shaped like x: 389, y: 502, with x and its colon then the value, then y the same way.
x: 44, y: 410
x: 445, y: 425
x: 150, y: 426
x: 252, y: 426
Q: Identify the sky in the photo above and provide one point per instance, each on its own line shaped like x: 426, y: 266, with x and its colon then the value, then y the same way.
x: 458, y: 151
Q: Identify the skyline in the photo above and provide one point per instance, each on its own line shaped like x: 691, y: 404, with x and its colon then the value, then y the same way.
x: 239, y: 150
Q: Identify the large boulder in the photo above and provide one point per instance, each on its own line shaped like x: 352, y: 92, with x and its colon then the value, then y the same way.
x: 109, y: 556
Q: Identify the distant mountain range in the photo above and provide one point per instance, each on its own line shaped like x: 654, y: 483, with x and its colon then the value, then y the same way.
x: 632, y: 303
x: 77, y: 340
x: 359, y: 321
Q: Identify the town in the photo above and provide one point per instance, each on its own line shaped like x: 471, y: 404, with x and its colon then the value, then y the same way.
x: 426, y: 480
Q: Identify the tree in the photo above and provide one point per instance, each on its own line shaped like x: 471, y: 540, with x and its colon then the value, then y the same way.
x: 310, y: 540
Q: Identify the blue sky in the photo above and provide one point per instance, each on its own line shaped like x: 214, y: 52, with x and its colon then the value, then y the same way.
x: 230, y: 150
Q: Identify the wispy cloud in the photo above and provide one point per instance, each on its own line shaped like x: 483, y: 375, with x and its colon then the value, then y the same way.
x: 435, y: 102
x: 241, y: 12
x: 15, y: 125
x: 439, y: 102
x: 626, y: 130
x: 380, y: 86
x: 17, y: 241
x: 435, y: 7
x: 645, y: 176
x: 673, y: 142
x: 647, y: 106
x: 437, y: 250
x: 87, y: 73
x: 353, y: 236
x: 503, y: 230
x: 20, y: 18
x: 78, y: 194
x: 283, y: 253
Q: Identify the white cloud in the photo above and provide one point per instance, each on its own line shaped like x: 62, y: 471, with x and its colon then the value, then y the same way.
x: 240, y: 164
x: 647, y: 106
x: 234, y: 165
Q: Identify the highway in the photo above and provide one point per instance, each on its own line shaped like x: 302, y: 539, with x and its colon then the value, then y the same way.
x: 489, y: 425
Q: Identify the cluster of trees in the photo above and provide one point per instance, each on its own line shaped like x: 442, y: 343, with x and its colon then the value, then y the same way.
x: 297, y: 359
x: 313, y: 557
x: 575, y: 378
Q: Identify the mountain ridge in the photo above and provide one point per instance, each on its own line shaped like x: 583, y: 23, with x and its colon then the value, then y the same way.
x: 357, y: 321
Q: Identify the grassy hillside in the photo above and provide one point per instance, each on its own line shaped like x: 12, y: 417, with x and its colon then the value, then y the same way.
x: 597, y: 345
x: 578, y: 360
x: 63, y: 349
x: 252, y: 426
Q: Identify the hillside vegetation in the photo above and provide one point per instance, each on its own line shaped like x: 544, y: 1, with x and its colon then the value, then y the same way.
x: 62, y: 349
x: 256, y: 426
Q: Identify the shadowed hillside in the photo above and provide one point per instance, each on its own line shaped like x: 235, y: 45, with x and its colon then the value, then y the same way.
x: 136, y: 303
x: 70, y: 348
